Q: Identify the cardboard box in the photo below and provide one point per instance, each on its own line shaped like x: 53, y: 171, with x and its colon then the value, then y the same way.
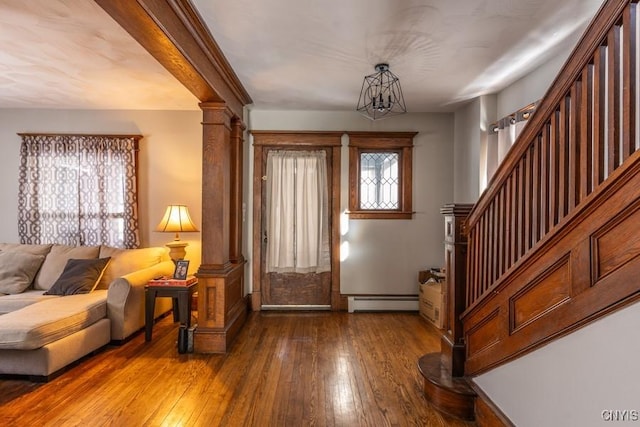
x: 431, y: 303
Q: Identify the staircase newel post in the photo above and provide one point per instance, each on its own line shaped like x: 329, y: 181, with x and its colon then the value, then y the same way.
x: 445, y: 385
x: 452, y: 342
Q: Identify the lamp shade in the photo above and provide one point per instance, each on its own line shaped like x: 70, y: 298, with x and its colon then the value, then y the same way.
x: 176, y: 219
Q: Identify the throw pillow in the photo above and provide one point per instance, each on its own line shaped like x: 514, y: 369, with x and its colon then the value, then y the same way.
x: 80, y: 276
x: 57, y: 258
x: 17, y: 270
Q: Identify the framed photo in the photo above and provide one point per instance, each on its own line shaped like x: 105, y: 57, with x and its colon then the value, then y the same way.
x: 182, y: 266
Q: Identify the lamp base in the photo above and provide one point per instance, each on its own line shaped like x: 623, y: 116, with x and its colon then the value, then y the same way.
x: 177, y: 250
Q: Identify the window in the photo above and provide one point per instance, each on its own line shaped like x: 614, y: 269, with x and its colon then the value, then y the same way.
x: 500, y: 137
x: 380, y: 175
x: 78, y: 190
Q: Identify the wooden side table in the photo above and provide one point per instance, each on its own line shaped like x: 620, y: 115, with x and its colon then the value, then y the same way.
x: 181, y: 302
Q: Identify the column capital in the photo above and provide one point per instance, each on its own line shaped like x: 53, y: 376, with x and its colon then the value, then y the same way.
x: 216, y: 113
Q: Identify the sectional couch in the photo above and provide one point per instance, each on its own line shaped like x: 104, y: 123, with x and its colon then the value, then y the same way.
x: 59, y: 303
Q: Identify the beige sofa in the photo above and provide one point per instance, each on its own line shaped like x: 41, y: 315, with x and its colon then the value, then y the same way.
x: 40, y: 333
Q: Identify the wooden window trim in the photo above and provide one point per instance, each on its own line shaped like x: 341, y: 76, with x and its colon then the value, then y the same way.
x: 400, y: 142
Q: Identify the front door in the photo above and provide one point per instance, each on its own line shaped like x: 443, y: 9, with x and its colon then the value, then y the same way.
x: 296, y: 239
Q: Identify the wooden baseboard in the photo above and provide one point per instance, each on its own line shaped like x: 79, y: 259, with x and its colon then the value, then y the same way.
x: 487, y: 414
x: 344, y: 302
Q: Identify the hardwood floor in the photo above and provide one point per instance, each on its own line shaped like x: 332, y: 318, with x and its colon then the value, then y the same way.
x: 284, y: 369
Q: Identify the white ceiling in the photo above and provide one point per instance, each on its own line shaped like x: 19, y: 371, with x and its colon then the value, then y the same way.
x: 72, y: 54
x: 289, y: 54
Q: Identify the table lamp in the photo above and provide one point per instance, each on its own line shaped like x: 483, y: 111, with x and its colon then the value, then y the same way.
x: 176, y: 219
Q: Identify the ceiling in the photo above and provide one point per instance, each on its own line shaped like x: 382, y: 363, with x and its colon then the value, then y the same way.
x: 289, y: 54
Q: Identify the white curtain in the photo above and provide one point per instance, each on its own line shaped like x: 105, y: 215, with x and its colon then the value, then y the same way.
x: 502, y: 136
x: 297, y: 212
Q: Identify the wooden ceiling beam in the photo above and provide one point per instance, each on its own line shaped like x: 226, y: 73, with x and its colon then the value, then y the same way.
x: 173, y: 32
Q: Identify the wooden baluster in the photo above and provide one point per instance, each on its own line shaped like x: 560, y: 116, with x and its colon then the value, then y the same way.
x: 527, y: 164
x: 574, y: 145
x: 554, y: 173
x: 494, y: 240
x: 544, y: 181
x: 563, y: 158
x: 599, y: 100
x: 535, y: 192
x: 521, y: 208
x: 490, y: 250
x: 508, y: 218
x: 473, y: 286
x: 501, y: 231
x: 586, y: 133
x: 514, y: 216
x: 613, y: 99
x: 487, y: 256
x: 483, y: 245
x: 629, y: 81
x: 472, y: 264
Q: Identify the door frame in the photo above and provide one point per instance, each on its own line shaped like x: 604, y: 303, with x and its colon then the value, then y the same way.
x: 281, y: 139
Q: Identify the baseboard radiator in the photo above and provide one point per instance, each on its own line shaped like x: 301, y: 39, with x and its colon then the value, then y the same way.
x: 383, y: 303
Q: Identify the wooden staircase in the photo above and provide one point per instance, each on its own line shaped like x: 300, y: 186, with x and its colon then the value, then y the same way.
x: 542, y: 247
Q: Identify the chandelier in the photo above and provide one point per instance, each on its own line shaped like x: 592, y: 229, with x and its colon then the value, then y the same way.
x: 381, y: 95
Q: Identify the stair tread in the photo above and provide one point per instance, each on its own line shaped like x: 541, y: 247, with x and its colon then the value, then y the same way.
x: 434, y: 370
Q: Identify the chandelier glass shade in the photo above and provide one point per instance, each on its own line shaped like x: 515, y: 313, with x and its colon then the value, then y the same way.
x: 381, y: 94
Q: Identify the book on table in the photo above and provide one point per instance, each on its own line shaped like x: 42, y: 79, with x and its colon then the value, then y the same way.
x: 170, y: 281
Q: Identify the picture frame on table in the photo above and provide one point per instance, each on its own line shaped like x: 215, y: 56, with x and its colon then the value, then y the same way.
x: 182, y: 267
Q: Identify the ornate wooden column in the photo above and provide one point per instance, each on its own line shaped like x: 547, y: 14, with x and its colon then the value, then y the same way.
x: 221, y: 306
x: 444, y: 382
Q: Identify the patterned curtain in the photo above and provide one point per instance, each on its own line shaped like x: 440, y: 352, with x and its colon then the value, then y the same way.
x: 78, y: 190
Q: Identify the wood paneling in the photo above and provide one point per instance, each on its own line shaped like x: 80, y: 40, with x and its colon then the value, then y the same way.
x: 539, y: 297
x: 617, y: 243
x: 484, y: 334
x: 549, y: 294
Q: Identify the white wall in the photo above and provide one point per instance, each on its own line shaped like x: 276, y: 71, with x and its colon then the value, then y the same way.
x: 386, y: 255
x: 470, y: 148
x: 530, y: 88
x: 570, y: 381
x: 467, y: 147
x: 170, y: 169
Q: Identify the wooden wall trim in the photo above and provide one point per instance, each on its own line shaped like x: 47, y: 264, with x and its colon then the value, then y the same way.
x: 106, y: 135
x: 173, y: 33
x: 224, y: 79
x: 283, y: 139
x: 287, y: 138
x: 487, y: 413
x: 381, y: 140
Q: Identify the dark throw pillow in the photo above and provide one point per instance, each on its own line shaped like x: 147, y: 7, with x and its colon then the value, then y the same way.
x: 80, y: 276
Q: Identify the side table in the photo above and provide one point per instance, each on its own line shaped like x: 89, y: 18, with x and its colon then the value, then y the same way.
x: 181, y: 302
